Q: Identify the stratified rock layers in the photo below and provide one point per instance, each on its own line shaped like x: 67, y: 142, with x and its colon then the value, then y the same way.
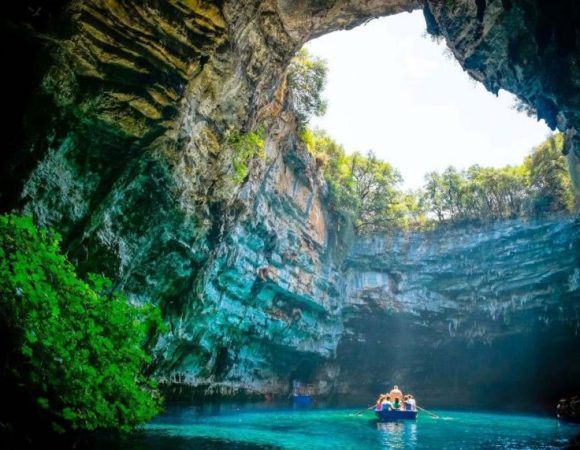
x: 124, y: 146
x: 474, y: 316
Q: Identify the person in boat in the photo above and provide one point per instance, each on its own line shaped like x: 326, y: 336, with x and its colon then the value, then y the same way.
x: 396, y: 404
x: 396, y: 393
x: 406, y: 403
x: 413, y: 402
x: 386, y: 404
x: 379, y: 403
x: 410, y: 404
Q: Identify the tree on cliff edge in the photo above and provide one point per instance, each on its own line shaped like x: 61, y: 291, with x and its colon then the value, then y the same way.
x: 549, y: 177
x: 306, y: 80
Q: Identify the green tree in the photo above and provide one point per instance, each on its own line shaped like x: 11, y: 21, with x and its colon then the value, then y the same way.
x: 245, y: 147
x: 73, y: 352
x: 332, y: 159
x: 497, y: 193
x: 549, y: 177
x: 362, y: 188
x: 454, y: 193
x: 413, y: 210
x: 365, y: 191
x: 306, y: 80
x: 374, y: 187
x: 539, y: 186
x: 434, y: 195
x: 479, y: 193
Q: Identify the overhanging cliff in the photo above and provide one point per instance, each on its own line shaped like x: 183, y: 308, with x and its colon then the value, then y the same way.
x: 123, y: 146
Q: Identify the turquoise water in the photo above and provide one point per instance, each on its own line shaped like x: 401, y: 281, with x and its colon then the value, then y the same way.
x: 233, y: 428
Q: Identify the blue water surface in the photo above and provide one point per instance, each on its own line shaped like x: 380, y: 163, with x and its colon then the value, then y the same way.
x: 324, y: 428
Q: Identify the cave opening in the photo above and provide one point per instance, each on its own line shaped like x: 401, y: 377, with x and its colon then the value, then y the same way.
x: 400, y: 94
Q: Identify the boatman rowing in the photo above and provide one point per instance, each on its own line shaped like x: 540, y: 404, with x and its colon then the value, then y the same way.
x: 396, y: 393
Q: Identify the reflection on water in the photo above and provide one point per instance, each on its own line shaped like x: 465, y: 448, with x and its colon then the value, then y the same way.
x: 395, y: 435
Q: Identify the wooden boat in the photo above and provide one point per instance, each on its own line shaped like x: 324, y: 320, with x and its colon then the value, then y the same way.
x: 385, y: 412
x: 394, y: 415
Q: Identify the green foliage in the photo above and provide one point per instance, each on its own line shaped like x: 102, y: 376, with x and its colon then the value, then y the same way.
x: 539, y: 186
x: 362, y: 189
x: 245, y: 147
x: 373, y: 184
x: 306, y: 80
x: 73, y: 348
x: 482, y: 193
x: 523, y: 106
x: 414, y: 212
x: 551, y: 187
x: 332, y: 158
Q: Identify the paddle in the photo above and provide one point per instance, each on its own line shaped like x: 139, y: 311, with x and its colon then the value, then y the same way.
x: 428, y: 412
x: 364, y: 410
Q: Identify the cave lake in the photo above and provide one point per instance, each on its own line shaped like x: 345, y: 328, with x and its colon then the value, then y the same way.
x: 279, y: 427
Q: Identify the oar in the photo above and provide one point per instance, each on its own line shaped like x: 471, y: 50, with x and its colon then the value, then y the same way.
x: 364, y: 410
x: 428, y: 412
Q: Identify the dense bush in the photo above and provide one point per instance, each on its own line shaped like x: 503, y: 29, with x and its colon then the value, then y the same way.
x: 245, y: 147
x: 72, y: 351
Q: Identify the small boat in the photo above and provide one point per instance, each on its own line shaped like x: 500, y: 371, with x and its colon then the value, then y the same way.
x: 394, y: 415
x: 302, y: 400
x: 568, y: 410
x: 302, y: 395
x: 390, y: 412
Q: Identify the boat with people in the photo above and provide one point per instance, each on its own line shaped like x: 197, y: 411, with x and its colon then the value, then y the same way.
x: 568, y: 410
x: 302, y: 394
x: 396, y: 406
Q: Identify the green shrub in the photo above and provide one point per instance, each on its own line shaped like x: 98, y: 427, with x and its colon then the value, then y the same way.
x: 245, y: 147
x: 73, y: 349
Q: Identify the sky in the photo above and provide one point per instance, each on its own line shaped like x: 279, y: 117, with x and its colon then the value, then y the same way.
x: 391, y: 89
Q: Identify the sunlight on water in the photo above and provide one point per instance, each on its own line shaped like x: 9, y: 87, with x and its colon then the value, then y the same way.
x: 182, y: 428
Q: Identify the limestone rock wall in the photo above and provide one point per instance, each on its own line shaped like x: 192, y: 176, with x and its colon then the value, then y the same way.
x: 470, y: 313
x: 266, y: 303
x: 118, y: 137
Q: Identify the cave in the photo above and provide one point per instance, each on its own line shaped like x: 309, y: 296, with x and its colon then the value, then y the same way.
x: 117, y: 137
